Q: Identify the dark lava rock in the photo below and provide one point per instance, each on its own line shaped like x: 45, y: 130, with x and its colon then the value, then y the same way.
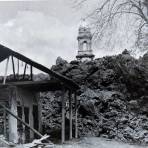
x: 60, y: 61
x: 112, y: 101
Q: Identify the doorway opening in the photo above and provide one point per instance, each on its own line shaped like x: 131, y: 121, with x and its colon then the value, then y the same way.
x: 36, y: 120
x: 27, y: 131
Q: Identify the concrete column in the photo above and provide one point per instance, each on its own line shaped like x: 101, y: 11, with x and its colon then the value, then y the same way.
x: 13, y: 135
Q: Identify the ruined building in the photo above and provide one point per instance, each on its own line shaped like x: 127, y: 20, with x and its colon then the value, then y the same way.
x: 20, y: 107
x: 84, y: 43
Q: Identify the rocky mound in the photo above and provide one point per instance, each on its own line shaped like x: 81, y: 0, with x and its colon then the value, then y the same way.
x: 113, y: 98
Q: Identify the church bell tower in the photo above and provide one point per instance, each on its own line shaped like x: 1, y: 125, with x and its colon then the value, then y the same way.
x: 84, y: 43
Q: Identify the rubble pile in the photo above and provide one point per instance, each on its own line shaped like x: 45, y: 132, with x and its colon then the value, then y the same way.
x: 113, y: 99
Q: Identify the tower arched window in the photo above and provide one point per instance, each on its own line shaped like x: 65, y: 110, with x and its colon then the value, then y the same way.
x: 84, y: 46
x: 84, y: 43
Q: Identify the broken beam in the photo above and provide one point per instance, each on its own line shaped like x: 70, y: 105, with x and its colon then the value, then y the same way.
x: 13, y: 67
x: 24, y: 71
x: 31, y: 72
x: 6, y: 70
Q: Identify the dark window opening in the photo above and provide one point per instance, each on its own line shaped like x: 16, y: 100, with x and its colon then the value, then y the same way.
x: 84, y: 45
x: 19, y: 124
x: 36, y: 120
x: 27, y: 131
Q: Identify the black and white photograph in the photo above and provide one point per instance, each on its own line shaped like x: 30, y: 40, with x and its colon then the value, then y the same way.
x: 73, y: 73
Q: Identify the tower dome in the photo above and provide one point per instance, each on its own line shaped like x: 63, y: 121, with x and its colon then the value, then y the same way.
x: 84, y: 24
x: 84, y: 27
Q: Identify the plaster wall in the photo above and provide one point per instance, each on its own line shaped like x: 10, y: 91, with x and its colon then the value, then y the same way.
x: 26, y: 99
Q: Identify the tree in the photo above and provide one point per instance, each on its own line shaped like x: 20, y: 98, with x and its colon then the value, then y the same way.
x: 108, y: 12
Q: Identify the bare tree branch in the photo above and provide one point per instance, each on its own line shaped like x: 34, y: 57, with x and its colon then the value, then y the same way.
x: 108, y: 11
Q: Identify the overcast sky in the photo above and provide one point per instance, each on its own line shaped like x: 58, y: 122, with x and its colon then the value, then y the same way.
x: 44, y: 30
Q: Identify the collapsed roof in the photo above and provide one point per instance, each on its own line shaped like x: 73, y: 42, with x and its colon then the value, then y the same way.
x: 6, y: 52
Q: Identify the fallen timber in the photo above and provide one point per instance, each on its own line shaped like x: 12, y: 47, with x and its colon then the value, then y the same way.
x: 36, y: 142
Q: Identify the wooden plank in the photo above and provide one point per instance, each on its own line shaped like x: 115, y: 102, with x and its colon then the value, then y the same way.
x: 76, y: 114
x: 38, y: 86
x: 21, y: 83
x: 18, y: 67
x: 63, y: 117
x: 31, y: 73
x: 6, y: 70
x: 70, y: 115
x: 25, y: 71
x: 13, y: 67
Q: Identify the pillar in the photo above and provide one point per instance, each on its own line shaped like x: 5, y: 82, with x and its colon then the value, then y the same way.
x: 63, y: 117
x: 70, y: 115
x: 13, y: 135
x: 76, y: 114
